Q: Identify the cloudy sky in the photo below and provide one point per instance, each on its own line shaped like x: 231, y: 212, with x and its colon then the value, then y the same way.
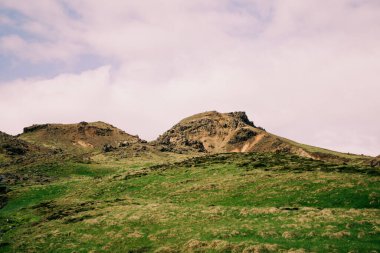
x: 308, y: 70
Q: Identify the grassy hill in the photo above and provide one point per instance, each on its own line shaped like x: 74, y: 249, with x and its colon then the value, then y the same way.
x: 81, y: 137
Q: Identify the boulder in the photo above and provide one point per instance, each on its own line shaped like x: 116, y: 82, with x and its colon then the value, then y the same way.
x: 124, y: 144
x: 108, y: 148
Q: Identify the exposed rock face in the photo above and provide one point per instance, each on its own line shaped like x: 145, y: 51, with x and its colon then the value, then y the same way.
x: 216, y: 132
x: 209, y: 132
x: 79, y: 136
x: 242, y: 117
x: 241, y: 135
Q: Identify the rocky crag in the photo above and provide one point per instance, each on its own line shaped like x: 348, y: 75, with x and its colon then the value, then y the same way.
x: 215, y: 132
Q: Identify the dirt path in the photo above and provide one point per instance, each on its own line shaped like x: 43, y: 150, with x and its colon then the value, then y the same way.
x: 249, y: 144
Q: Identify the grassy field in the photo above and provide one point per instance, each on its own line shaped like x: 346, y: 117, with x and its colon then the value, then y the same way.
x: 220, y: 203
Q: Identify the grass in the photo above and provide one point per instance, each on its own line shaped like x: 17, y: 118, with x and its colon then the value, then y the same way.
x: 218, y: 203
x: 334, y: 154
x: 25, y: 197
x: 3, y: 159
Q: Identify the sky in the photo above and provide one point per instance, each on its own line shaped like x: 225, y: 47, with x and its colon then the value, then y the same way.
x: 308, y: 70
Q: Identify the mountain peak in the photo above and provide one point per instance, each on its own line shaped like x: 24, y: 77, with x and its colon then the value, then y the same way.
x: 214, y: 115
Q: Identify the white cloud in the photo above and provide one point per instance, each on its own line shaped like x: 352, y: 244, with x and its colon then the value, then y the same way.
x: 64, y: 98
x: 307, y: 70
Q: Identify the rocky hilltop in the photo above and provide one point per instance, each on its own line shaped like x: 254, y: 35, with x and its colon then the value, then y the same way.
x: 216, y: 132
x: 209, y: 131
x: 81, y: 136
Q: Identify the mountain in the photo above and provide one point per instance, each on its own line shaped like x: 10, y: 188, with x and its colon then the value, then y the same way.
x: 79, y: 137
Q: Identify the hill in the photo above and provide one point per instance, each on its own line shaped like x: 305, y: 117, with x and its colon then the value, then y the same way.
x: 215, y: 132
x: 80, y: 137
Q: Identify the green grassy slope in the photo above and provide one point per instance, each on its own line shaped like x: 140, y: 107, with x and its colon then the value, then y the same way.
x: 221, y: 203
x: 330, y: 155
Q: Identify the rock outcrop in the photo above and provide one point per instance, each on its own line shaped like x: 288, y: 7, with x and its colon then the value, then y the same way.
x: 216, y: 132
x: 208, y: 132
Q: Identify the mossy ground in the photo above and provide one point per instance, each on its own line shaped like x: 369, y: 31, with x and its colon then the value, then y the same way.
x: 219, y: 203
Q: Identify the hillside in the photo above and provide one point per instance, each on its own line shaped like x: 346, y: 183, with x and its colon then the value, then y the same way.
x: 10, y: 146
x: 15, y: 150
x: 16, y: 154
x: 236, y: 202
x: 80, y: 137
